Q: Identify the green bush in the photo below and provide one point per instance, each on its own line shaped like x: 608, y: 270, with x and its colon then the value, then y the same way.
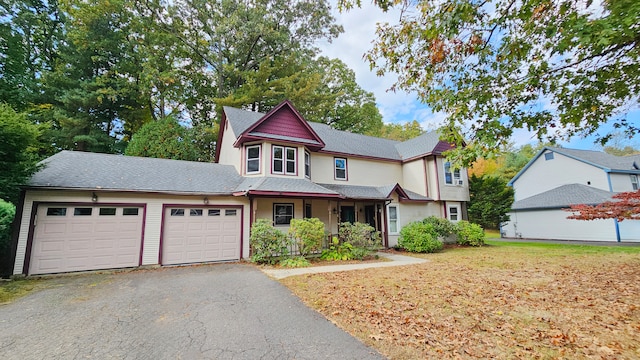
x: 338, y: 251
x: 308, y: 234
x: 442, y: 227
x: 7, y: 212
x: 295, y: 262
x: 419, y: 237
x: 269, y: 245
x: 360, y: 235
x: 470, y: 234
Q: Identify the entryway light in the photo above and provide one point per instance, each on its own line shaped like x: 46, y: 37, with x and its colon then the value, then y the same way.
x: 94, y: 197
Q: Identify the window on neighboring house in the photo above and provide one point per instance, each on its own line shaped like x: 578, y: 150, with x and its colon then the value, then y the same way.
x: 253, y: 159
x: 284, y: 160
x: 307, y: 164
x: 451, y: 178
x: 282, y: 214
x: 548, y: 156
x: 634, y: 182
x: 340, y: 168
x: 454, y: 213
x: 393, y: 219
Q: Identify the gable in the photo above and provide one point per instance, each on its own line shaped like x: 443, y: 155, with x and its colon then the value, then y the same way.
x: 282, y: 123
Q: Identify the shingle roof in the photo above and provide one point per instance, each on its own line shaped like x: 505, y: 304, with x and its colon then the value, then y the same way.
x: 283, y: 185
x: 564, y: 196
x: 371, y: 192
x: 344, y: 142
x: 599, y: 158
x: 81, y: 170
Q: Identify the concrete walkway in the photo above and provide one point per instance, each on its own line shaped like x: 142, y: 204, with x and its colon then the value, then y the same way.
x: 393, y: 260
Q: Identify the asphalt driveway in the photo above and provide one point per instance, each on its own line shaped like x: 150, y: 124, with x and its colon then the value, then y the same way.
x: 225, y: 311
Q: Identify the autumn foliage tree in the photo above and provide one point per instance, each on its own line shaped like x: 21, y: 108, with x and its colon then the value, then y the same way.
x: 625, y: 206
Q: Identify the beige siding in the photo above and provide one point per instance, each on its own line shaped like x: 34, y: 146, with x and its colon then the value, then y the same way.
x: 452, y: 192
x: 409, y: 212
x: 553, y: 224
x: 414, y: 176
x: 544, y: 175
x: 152, y: 228
x: 432, y: 178
x: 359, y: 171
x: 230, y: 155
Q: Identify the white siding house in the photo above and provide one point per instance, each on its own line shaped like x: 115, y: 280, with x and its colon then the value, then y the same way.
x: 557, y: 178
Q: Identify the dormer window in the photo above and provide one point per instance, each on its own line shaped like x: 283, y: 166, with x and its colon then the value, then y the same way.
x: 253, y: 159
x: 284, y: 160
x: 340, y: 172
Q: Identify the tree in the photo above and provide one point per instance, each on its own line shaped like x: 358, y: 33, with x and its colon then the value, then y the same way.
x: 490, y: 200
x: 399, y: 132
x: 625, y: 206
x: 559, y: 68
x: 165, y: 139
x: 17, y: 162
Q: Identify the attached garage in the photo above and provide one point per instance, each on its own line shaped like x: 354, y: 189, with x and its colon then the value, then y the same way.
x: 85, y: 237
x: 201, y: 234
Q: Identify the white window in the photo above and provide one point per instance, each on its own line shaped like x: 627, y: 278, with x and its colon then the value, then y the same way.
x: 284, y: 160
x: 340, y: 172
x: 393, y: 219
x: 253, y: 159
x: 634, y: 182
x: 454, y: 212
x: 282, y: 214
x: 451, y: 178
x: 307, y: 164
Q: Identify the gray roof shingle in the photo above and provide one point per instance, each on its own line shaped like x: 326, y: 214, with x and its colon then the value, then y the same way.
x: 281, y: 185
x: 81, y: 170
x: 344, y: 142
x: 564, y: 196
x: 600, y: 158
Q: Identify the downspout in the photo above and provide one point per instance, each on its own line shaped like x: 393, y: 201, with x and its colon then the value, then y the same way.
x: 615, y: 221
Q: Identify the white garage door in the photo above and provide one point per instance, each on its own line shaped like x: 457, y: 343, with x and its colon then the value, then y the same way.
x: 193, y: 235
x: 85, y: 237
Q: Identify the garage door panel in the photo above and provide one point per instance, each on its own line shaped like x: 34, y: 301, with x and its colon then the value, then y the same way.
x: 195, y: 238
x: 89, y: 242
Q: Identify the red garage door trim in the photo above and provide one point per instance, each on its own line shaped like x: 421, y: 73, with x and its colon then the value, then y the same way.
x: 164, y: 211
x: 32, y: 219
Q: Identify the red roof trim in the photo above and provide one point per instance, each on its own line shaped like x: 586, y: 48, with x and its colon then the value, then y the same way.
x: 286, y: 103
x: 286, y: 194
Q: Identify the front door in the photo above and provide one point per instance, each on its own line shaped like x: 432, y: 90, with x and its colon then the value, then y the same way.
x: 347, y: 214
x: 370, y: 216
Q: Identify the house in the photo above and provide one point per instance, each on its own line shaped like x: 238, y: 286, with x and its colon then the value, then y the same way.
x: 557, y: 178
x: 86, y: 211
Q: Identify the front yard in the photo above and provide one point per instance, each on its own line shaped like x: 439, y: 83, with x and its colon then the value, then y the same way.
x: 505, y: 300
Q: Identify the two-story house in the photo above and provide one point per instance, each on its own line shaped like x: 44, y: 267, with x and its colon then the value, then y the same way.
x: 557, y: 178
x: 85, y: 211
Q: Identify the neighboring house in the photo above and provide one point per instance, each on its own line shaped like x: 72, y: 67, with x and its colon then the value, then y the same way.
x: 86, y: 211
x: 557, y: 178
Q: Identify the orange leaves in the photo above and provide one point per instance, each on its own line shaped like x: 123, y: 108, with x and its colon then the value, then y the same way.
x: 625, y: 206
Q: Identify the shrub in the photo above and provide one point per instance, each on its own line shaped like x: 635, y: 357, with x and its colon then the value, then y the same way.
x: 268, y: 243
x: 419, y: 237
x: 308, y: 234
x: 442, y: 227
x: 470, y: 234
x: 295, y: 262
x: 360, y: 235
x: 337, y: 251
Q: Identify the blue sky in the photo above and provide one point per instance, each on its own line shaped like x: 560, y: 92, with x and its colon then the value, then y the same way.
x: 400, y: 107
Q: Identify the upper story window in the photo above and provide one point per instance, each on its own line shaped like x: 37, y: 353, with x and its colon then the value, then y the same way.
x: 451, y: 178
x: 284, y: 160
x: 634, y: 182
x: 340, y: 172
x: 253, y: 159
x: 548, y: 156
x: 307, y: 164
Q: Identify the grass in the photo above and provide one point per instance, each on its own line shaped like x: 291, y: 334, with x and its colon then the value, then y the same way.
x: 12, y: 290
x: 505, y: 300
